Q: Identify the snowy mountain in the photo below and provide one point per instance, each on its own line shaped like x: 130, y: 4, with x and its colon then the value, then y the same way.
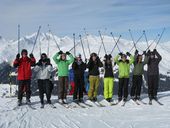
x: 9, y: 49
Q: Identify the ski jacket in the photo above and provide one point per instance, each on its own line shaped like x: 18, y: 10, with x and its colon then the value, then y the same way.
x: 124, y: 67
x: 63, y: 65
x: 139, y: 67
x: 43, y: 70
x: 24, y: 67
x: 79, y: 69
x: 153, y: 65
x: 108, y: 70
x: 93, y: 67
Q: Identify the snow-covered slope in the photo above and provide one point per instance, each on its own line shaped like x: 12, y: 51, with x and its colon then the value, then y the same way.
x: 9, y: 49
x: 129, y: 116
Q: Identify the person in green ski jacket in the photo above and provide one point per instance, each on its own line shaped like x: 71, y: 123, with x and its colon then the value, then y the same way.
x: 63, y: 70
x: 124, y: 72
x: 137, y: 75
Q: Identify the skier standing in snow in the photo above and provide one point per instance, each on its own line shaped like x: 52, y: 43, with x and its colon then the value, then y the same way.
x: 93, y: 66
x: 137, y: 75
x: 43, y: 69
x: 24, y: 74
x: 124, y: 72
x: 79, y: 67
x: 63, y: 65
x: 154, y: 59
x: 108, y: 78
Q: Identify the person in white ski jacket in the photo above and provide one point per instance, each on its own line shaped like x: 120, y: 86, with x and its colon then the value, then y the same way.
x: 43, y: 69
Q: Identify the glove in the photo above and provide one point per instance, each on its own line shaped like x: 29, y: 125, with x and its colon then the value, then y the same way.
x: 105, y: 56
x: 148, y: 53
x: 144, y: 52
x: 154, y: 50
x: 136, y: 52
x: 18, y: 56
x: 60, y: 52
x: 31, y: 55
x: 68, y: 53
x: 120, y: 53
x: 128, y: 54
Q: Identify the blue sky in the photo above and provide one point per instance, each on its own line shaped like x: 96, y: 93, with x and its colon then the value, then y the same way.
x: 71, y: 16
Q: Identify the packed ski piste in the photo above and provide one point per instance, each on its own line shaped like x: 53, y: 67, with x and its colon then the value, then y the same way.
x: 78, y: 82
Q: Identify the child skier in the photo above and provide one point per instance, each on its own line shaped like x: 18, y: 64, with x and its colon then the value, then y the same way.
x: 43, y: 69
x: 93, y: 66
x: 153, y: 74
x: 79, y: 67
x: 124, y: 71
x: 108, y: 78
x: 137, y: 75
x: 24, y: 74
x: 63, y: 65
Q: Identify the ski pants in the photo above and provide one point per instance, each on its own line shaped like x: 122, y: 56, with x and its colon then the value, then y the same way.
x: 44, y: 87
x: 108, y: 87
x: 94, y: 84
x: 24, y: 86
x: 136, y: 86
x: 153, y: 83
x: 123, y: 88
x: 79, y: 86
x: 63, y: 87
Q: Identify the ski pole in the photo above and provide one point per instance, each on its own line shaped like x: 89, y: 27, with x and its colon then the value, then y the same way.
x: 115, y: 41
x: 152, y: 42
x: 132, y: 38
x: 53, y: 37
x: 160, y: 37
x: 82, y: 47
x: 102, y: 42
x: 137, y: 42
x: 88, y: 46
x: 146, y: 38
x: 73, y: 47
x: 74, y: 41
x: 40, y: 47
x: 48, y: 45
x: 36, y: 39
x: 18, y: 38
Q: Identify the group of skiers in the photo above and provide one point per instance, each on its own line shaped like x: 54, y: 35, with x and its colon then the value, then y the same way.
x: 43, y: 68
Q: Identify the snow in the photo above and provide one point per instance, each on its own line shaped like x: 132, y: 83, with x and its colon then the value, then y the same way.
x: 130, y: 116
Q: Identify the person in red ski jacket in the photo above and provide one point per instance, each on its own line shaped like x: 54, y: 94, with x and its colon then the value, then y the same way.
x: 24, y: 74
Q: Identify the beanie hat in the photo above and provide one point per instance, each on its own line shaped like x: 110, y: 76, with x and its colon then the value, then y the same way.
x: 24, y: 51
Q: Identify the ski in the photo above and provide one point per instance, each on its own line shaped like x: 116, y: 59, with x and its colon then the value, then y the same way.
x: 30, y: 106
x: 158, y: 102
x: 134, y: 102
x: 123, y: 103
x: 141, y: 102
x: 87, y: 104
x: 64, y: 105
x: 98, y: 104
x: 79, y: 104
x: 52, y: 106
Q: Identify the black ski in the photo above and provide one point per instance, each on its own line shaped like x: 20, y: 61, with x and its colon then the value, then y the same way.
x: 159, y: 102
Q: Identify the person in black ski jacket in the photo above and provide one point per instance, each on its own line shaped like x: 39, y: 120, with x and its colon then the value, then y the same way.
x: 154, y: 59
x: 78, y: 67
x: 108, y: 78
x: 93, y: 66
x: 43, y: 69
